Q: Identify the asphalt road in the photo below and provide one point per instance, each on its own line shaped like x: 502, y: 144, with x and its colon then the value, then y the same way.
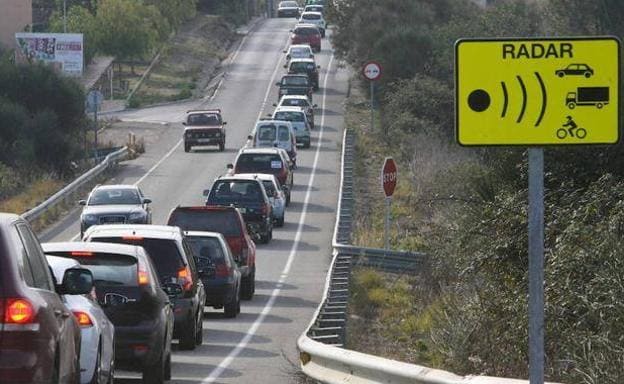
x: 259, y: 346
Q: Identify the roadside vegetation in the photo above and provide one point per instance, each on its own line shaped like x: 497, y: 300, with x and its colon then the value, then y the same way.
x: 467, y: 207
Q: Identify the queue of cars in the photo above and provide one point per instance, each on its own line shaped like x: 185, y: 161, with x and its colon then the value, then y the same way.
x: 76, y: 311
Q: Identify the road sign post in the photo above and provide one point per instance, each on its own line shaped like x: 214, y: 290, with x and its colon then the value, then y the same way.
x: 389, y: 174
x: 533, y: 92
x: 372, y: 72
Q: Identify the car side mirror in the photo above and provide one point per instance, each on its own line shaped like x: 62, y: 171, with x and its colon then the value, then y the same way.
x: 230, y: 166
x: 249, y: 137
x: 284, y: 51
x: 76, y: 281
x: 147, y: 201
x: 268, y: 114
x: 315, y: 106
x: 277, y: 83
x: 225, y: 123
x: 82, y: 202
x: 275, y: 104
x: 318, y: 67
x: 206, y: 192
x: 184, y: 123
x: 285, y: 66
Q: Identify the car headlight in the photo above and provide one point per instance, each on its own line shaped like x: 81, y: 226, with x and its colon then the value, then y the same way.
x: 89, y: 218
x: 218, y: 134
x: 137, y: 216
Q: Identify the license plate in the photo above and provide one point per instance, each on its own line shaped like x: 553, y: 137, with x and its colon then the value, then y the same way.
x: 242, y: 210
x: 204, y: 140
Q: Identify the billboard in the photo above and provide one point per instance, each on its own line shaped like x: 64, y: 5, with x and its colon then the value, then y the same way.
x: 61, y: 50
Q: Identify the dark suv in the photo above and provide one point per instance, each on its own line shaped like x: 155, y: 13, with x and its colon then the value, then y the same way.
x: 173, y: 260
x: 128, y: 290
x: 266, y: 160
x: 246, y: 193
x: 39, y: 336
x: 295, y: 84
x: 230, y: 223
x: 115, y: 204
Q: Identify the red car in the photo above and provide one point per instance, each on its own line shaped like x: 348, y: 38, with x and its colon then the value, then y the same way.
x: 39, y: 336
x: 229, y: 222
x: 307, y: 34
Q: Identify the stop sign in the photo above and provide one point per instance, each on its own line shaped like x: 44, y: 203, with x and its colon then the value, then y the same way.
x: 389, y: 175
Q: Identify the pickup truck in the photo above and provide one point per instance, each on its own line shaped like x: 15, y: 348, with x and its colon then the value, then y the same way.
x: 295, y: 85
x: 204, y: 127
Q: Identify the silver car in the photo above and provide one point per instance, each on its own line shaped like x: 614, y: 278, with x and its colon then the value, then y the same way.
x: 276, y: 195
x: 299, y: 121
x: 97, y: 333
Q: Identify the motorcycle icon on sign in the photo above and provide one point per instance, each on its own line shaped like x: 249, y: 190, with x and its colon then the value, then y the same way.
x: 570, y: 128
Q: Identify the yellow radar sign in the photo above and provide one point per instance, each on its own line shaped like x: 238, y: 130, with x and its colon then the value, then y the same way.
x: 537, y: 91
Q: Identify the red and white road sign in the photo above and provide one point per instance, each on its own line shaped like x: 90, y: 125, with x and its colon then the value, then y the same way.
x: 372, y: 70
x: 389, y: 174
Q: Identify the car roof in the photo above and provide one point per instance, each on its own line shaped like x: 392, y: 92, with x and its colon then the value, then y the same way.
x: 204, y: 234
x: 300, y: 46
x: 259, y: 150
x: 166, y: 232
x: 261, y: 176
x: 302, y: 60
x: 306, y: 25
x: 72, y: 246
x: 239, y: 176
x: 301, y: 97
x: 213, y: 111
x: 288, y: 108
x: 295, y: 75
x: 282, y: 122
x: 312, y: 13
x: 116, y: 186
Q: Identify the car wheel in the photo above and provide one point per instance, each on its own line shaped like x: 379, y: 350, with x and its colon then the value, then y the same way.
x: 111, y: 373
x: 168, y: 367
x: 248, y: 286
x: 222, y: 146
x: 280, y: 222
x: 231, y: 309
x: 187, y: 147
x: 288, y: 199
x: 187, y: 339
x: 199, y: 336
x: 306, y: 144
x: 155, y: 373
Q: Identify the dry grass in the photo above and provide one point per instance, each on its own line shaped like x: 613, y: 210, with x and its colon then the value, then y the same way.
x: 36, y: 193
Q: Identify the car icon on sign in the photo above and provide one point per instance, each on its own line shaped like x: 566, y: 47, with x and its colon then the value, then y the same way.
x: 575, y: 70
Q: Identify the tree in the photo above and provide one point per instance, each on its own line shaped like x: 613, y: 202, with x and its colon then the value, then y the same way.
x: 128, y: 29
x: 175, y: 11
x: 79, y: 20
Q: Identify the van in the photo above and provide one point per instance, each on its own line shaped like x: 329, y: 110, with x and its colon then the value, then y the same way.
x: 275, y: 134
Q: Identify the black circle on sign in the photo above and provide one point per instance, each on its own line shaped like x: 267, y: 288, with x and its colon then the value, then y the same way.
x: 479, y: 100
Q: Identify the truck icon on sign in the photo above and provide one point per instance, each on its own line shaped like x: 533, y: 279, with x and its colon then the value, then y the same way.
x: 588, y: 96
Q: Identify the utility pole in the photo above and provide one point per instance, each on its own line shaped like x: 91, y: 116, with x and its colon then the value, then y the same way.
x: 64, y: 16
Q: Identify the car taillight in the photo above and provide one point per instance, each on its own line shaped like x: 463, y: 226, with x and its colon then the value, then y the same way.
x: 81, y: 254
x: 142, y: 275
x: 184, y: 275
x: 83, y: 319
x: 244, y: 255
x: 222, y: 270
x: 18, y: 311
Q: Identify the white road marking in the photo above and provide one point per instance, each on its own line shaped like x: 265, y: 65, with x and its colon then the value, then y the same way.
x: 218, y: 370
x: 268, y: 91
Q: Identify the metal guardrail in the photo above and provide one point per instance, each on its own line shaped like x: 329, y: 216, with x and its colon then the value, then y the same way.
x: 63, y: 194
x: 322, y: 355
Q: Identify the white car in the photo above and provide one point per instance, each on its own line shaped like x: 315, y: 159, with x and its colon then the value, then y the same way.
x: 97, y: 332
x: 299, y: 101
x: 288, y: 9
x: 270, y: 133
x: 276, y: 195
x: 314, y: 18
x: 299, y: 120
x: 299, y: 51
x: 314, y: 8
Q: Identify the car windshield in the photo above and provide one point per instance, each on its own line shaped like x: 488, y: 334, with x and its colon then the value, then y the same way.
x: 284, y: 133
x: 206, y: 250
x: 115, y: 196
x: 226, y: 191
x: 288, y: 4
x: 203, y: 119
x: 224, y: 222
x: 301, y: 66
x: 164, y: 253
x: 311, y: 16
x: 289, y: 116
x: 108, y: 269
x: 294, y: 80
x: 259, y: 163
